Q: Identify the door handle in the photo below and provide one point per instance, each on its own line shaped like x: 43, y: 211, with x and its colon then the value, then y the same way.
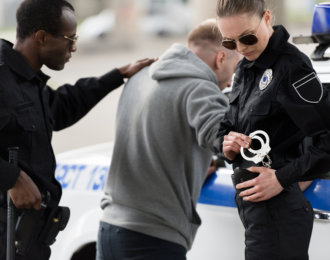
x: 322, y: 215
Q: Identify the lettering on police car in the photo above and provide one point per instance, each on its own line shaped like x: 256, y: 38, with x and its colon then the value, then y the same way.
x: 81, y: 177
x: 266, y: 79
x: 309, y: 88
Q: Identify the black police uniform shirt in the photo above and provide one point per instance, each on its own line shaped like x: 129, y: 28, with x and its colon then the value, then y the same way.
x: 29, y: 112
x: 281, y: 94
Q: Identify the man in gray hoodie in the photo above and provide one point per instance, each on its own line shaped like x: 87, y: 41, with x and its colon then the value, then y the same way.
x: 168, y: 118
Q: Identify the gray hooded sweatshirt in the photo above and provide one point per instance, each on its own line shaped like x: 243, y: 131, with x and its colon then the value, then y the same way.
x: 168, y: 117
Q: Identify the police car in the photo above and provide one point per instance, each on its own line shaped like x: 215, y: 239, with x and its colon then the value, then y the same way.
x: 82, y: 174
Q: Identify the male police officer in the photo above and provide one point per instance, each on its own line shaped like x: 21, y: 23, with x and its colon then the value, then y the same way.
x: 30, y: 110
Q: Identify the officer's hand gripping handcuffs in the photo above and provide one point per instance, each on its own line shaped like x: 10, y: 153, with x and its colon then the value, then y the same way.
x: 261, y: 155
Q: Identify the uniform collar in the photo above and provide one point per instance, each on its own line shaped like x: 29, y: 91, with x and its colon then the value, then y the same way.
x: 16, y: 62
x: 274, y: 48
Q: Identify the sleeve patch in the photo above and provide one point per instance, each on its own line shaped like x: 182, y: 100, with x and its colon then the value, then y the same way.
x: 309, y: 88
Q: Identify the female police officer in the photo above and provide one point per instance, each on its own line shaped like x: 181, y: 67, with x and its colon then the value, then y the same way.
x: 277, y: 91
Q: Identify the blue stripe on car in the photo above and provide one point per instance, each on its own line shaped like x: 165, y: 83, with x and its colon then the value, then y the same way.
x: 217, y: 189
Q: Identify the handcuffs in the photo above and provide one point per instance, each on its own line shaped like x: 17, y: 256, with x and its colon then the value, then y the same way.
x: 260, y: 155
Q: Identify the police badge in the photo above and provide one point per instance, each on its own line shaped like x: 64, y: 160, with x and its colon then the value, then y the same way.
x: 266, y: 79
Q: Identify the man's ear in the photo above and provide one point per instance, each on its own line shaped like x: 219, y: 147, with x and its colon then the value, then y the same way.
x: 41, y: 37
x: 268, y: 18
x: 220, y: 59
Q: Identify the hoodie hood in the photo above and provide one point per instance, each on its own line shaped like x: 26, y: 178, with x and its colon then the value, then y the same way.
x: 179, y: 62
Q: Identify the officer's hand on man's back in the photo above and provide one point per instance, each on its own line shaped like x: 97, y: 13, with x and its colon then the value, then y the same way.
x: 129, y: 70
x: 25, y: 193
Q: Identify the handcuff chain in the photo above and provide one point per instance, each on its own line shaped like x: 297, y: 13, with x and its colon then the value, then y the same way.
x: 268, y: 162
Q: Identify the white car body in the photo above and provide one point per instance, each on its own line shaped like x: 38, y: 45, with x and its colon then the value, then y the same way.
x: 83, y: 172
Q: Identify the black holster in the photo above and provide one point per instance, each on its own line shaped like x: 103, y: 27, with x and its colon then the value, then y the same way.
x: 39, y: 226
x: 242, y: 175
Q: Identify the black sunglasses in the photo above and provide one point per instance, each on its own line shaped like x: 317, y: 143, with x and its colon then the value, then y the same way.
x: 247, y: 39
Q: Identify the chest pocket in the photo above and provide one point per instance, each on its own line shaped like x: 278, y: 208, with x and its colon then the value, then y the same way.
x: 17, y: 128
x: 261, y: 109
x: 26, y: 120
x: 19, y: 119
x: 260, y: 116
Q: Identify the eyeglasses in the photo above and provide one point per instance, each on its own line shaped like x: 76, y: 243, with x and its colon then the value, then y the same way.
x: 73, y: 38
x: 247, y: 39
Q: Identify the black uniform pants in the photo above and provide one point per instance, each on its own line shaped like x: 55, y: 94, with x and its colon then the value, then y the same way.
x: 38, y: 251
x: 279, y: 228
